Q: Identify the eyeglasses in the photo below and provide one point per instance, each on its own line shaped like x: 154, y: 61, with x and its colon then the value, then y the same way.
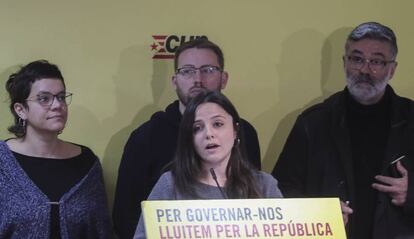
x: 357, y: 62
x: 189, y: 72
x: 47, y: 98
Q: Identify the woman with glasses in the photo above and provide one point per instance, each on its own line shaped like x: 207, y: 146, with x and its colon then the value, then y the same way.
x: 210, y: 160
x: 49, y: 188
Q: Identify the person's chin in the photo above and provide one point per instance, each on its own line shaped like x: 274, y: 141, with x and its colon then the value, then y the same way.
x: 195, y: 92
x: 362, y: 88
x: 364, y: 95
x: 211, y: 158
x: 58, y: 128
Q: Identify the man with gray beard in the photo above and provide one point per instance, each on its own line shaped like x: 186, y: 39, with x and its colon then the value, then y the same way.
x: 358, y: 144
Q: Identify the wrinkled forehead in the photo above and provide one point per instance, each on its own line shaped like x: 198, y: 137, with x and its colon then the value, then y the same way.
x: 369, y: 47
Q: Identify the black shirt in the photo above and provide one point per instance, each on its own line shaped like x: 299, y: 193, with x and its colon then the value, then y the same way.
x: 369, y: 127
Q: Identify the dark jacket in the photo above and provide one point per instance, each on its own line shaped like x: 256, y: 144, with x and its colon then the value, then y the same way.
x: 149, y: 149
x: 317, y: 161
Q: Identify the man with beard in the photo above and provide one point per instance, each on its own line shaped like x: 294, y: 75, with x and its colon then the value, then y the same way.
x: 199, y: 67
x: 357, y: 144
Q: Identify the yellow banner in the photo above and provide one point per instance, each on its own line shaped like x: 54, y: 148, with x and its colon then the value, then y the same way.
x: 244, y: 218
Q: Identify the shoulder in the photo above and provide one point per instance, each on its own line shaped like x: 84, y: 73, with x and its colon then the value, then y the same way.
x: 268, y: 185
x: 320, y: 112
x: 5, y: 151
x: 12, y: 144
x: 158, y: 121
x: 87, y: 152
x: 164, y: 188
x: 166, y: 178
x: 143, y: 132
x: 401, y: 103
x: 402, y: 108
x: 263, y: 177
x: 325, y: 106
x: 3, y: 146
x: 171, y: 114
x: 145, y: 127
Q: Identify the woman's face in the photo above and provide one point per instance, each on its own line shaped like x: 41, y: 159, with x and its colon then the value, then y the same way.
x: 213, y: 134
x: 46, y: 110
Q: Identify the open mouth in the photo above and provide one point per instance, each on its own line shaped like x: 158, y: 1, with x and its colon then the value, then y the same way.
x: 212, y: 146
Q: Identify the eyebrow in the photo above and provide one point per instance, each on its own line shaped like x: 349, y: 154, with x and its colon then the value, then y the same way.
x: 193, y: 66
x: 218, y: 116
x: 48, y: 92
x: 213, y: 117
x: 187, y: 65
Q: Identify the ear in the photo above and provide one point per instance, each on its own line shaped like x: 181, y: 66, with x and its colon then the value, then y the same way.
x: 174, y: 82
x: 224, y: 79
x: 343, y: 61
x: 393, y: 68
x: 236, y: 130
x: 20, y: 110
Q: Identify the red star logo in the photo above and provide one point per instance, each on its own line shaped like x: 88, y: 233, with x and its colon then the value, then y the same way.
x: 153, y: 46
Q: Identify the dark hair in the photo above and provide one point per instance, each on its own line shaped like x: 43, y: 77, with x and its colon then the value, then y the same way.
x: 19, y: 86
x: 187, y: 164
x: 376, y: 31
x: 199, y: 43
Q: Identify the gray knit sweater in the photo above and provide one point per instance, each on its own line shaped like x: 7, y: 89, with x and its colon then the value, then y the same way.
x: 165, y: 190
x: 25, y: 210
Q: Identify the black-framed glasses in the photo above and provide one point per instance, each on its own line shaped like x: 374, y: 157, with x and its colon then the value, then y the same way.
x: 47, y: 98
x: 188, y: 72
x: 375, y: 64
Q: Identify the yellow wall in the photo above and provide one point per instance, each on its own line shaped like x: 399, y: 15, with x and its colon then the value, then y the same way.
x: 282, y: 56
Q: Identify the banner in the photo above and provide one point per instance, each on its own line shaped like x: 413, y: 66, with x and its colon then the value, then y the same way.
x: 244, y: 218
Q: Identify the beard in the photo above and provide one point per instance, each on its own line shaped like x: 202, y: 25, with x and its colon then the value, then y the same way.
x: 365, y: 89
x: 186, y: 98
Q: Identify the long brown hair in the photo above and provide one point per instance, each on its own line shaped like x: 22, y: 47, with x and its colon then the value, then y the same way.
x: 187, y: 165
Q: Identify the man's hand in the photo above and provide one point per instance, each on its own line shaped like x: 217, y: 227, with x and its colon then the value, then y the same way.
x: 395, y: 187
x: 346, y: 211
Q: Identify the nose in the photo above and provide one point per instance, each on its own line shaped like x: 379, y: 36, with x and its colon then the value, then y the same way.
x: 209, y: 132
x: 366, y: 68
x: 197, y: 76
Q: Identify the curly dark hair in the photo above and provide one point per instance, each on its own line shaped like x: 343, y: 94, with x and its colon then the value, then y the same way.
x: 20, y: 84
